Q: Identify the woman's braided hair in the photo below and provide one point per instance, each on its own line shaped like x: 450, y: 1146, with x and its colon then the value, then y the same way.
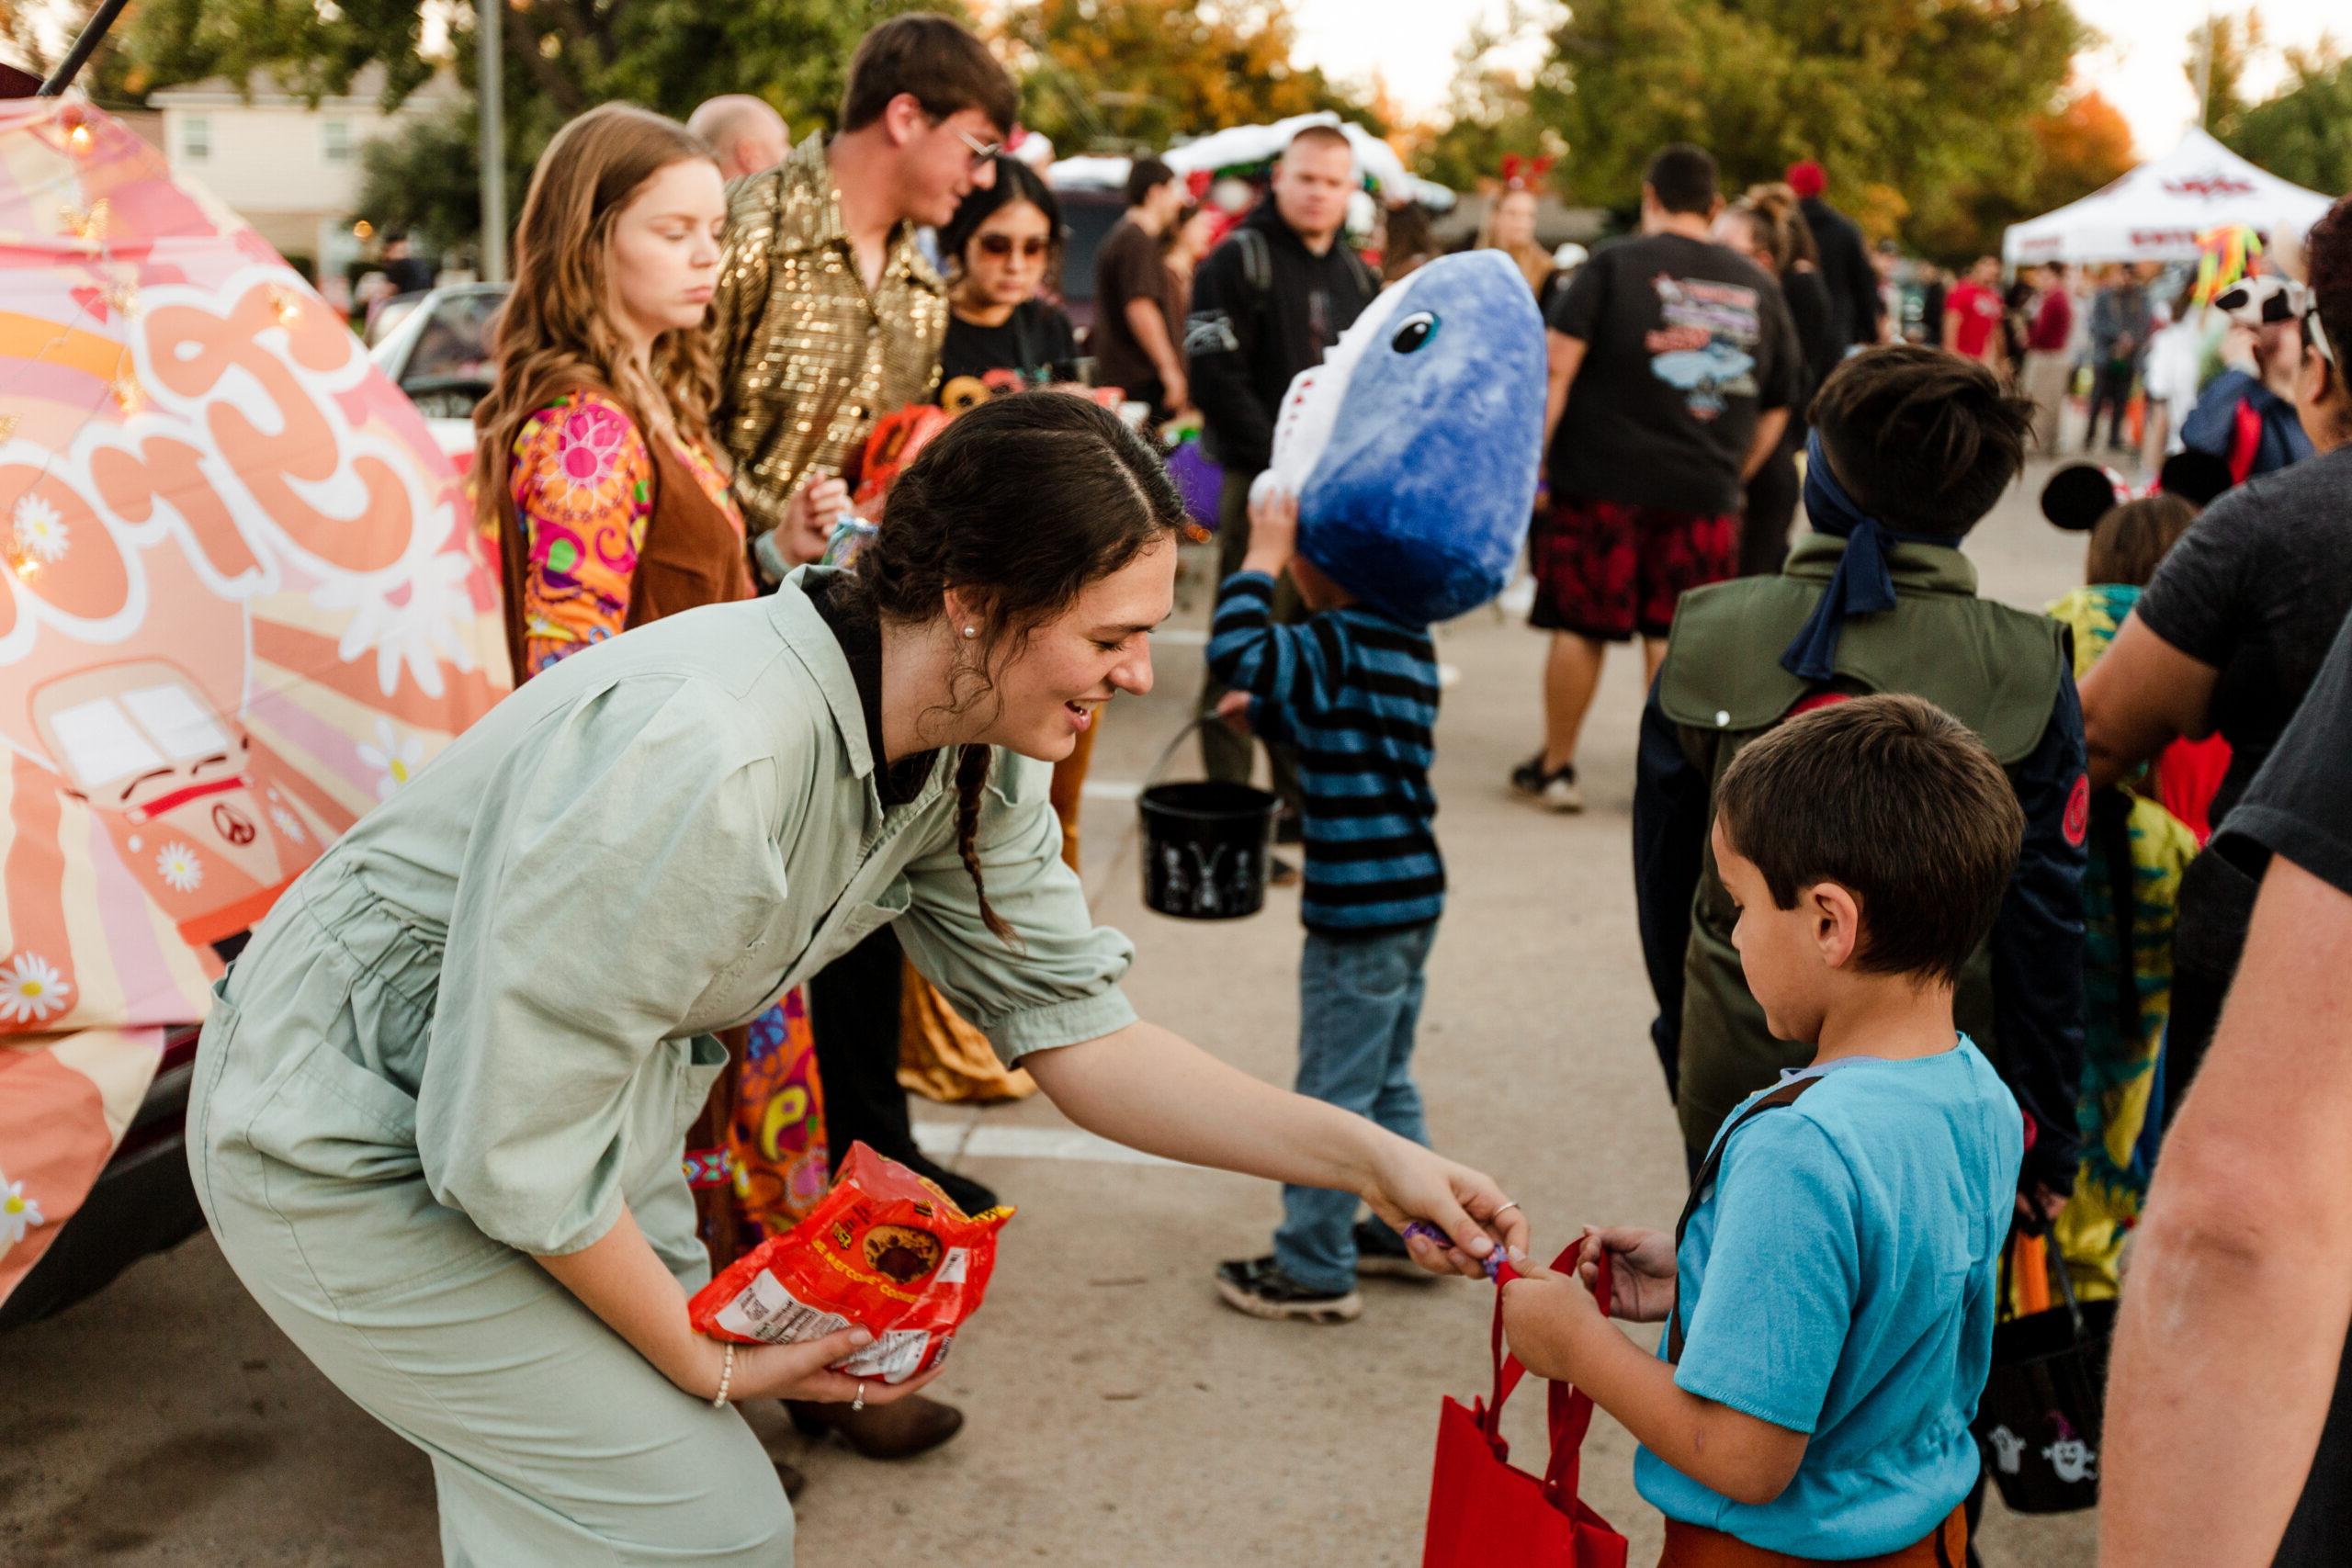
x: 1016, y: 506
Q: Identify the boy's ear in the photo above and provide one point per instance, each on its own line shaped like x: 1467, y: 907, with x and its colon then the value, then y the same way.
x: 1836, y: 922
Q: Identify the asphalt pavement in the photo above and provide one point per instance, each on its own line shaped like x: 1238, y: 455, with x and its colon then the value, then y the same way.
x: 1119, y: 1413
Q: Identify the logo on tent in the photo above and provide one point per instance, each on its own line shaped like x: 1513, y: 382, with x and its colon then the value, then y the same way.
x: 2209, y: 187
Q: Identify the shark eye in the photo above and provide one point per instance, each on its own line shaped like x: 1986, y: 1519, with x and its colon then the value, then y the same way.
x: 1415, y: 333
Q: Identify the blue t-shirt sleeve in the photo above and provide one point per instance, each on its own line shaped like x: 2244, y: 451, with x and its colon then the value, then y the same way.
x: 1783, y: 1269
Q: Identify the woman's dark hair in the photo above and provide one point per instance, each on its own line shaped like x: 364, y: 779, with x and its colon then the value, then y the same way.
x: 2134, y: 537
x: 1922, y: 439
x: 2327, y: 261
x: 1015, y: 182
x: 1017, y: 506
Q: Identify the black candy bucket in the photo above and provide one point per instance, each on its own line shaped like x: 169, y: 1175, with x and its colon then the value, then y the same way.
x: 2045, y: 1407
x: 1205, y: 844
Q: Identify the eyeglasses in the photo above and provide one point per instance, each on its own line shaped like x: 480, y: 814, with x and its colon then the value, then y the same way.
x: 981, y: 150
x: 1000, y: 246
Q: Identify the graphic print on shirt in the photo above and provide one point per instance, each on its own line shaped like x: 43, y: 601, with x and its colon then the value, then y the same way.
x: 1705, y: 342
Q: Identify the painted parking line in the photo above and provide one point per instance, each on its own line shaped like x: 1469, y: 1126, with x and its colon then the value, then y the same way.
x: 949, y: 1142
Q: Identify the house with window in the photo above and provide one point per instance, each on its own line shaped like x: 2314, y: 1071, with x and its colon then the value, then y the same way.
x: 286, y: 166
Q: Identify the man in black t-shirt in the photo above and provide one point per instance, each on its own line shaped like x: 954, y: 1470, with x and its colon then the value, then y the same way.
x: 1674, y: 364
x: 1138, y: 313
x: 2222, y: 1431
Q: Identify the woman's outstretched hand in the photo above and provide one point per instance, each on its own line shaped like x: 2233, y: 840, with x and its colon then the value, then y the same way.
x: 805, y: 1372
x: 1411, y: 1183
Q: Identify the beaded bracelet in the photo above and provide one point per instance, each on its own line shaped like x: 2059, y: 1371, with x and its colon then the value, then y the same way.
x: 726, y: 1376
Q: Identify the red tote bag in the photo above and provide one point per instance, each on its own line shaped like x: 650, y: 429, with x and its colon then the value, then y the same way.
x: 1486, y: 1513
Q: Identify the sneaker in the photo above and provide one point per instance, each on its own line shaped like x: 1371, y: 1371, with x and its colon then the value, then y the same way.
x: 1382, y: 1253
x: 1290, y: 828
x: 1259, y: 1287
x: 1555, y: 791
x: 1281, y: 873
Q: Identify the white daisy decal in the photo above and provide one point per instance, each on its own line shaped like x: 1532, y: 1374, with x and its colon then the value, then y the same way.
x: 31, y: 989
x: 395, y: 756
x: 288, y: 823
x: 19, y: 1213
x: 177, y: 864
x: 38, y: 531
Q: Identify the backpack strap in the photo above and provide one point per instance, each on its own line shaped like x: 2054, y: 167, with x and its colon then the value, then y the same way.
x: 1257, y: 260
x: 1787, y: 1094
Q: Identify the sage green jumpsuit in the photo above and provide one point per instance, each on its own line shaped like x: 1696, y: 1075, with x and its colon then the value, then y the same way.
x: 482, y: 1023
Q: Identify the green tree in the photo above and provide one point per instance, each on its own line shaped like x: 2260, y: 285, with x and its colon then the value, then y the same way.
x: 426, y: 177
x: 1916, y: 107
x: 2302, y: 134
x: 1487, y: 117
x: 1122, y: 76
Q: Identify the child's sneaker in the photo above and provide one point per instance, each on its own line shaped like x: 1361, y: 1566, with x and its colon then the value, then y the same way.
x: 1382, y: 1252
x: 1259, y: 1287
x: 1555, y: 790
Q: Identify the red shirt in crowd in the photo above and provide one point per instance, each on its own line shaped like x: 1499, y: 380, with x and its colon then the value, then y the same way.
x: 1979, y: 311
x: 2053, y: 324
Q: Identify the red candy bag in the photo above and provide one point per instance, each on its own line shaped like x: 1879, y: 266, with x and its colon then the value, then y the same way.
x: 885, y: 1250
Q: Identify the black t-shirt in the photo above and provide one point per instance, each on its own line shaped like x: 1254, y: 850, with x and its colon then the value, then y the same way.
x: 2300, y: 806
x: 2257, y: 588
x: 1035, y: 345
x: 1685, y: 343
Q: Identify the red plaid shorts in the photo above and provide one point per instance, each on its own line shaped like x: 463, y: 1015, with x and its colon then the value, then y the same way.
x: 1606, y: 569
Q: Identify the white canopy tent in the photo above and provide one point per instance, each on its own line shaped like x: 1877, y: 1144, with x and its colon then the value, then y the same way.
x: 2155, y: 212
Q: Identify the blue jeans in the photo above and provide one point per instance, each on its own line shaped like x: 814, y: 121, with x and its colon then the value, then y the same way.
x: 1358, y: 1001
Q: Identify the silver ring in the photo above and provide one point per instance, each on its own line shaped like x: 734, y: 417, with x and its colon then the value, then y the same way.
x: 859, y: 1403
x: 1505, y: 1209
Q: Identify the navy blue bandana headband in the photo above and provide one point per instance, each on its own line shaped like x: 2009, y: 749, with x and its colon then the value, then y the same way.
x: 1862, y: 584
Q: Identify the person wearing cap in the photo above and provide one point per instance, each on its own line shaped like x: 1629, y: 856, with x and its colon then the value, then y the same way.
x: 1857, y: 311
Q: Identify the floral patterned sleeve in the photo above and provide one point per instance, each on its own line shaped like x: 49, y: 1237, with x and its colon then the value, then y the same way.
x: 583, y: 482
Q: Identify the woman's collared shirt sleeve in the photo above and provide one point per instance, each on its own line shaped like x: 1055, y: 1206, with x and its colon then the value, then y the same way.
x: 630, y: 863
x: 1059, y: 982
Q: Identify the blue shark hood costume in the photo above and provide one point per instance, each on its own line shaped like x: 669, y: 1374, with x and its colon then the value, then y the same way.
x: 1412, y: 448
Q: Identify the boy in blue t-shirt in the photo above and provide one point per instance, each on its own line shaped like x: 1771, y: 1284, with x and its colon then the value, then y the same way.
x: 1830, y: 1291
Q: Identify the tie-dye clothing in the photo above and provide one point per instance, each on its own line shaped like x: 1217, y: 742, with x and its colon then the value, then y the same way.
x: 583, y: 481
x: 2115, y: 1114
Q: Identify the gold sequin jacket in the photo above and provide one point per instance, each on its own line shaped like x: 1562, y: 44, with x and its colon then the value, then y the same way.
x: 807, y: 359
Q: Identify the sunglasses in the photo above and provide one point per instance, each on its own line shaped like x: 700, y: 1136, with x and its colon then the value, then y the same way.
x: 1000, y: 246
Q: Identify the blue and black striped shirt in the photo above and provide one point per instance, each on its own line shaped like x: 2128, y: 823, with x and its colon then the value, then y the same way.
x: 1355, y: 693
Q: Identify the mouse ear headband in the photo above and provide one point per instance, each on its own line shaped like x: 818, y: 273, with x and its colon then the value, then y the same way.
x: 2079, y: 494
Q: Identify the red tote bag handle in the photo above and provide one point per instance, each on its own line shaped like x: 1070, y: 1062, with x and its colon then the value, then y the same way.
x: 1569, y: 1408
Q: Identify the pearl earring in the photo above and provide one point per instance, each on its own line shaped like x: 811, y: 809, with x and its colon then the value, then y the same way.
x: 971, y: 631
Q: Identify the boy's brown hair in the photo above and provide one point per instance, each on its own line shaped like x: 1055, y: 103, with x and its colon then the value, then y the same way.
x: 1896, y: 801
x: 940, y: 63
x: 1922, y: 439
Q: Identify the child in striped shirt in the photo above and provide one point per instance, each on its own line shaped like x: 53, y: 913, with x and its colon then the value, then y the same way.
x: 1354, y: 691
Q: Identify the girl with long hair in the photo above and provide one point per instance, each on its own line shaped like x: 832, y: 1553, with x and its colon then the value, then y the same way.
x: 594, y: 451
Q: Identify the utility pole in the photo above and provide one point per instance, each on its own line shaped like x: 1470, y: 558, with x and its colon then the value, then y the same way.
x: 2205, y: 74
x: 490, y: 71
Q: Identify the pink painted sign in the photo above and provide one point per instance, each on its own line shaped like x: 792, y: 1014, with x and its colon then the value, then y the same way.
x: 241, y: 599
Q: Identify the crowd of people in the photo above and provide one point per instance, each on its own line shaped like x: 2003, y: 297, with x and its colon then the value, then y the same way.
x: 1938, y: 946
